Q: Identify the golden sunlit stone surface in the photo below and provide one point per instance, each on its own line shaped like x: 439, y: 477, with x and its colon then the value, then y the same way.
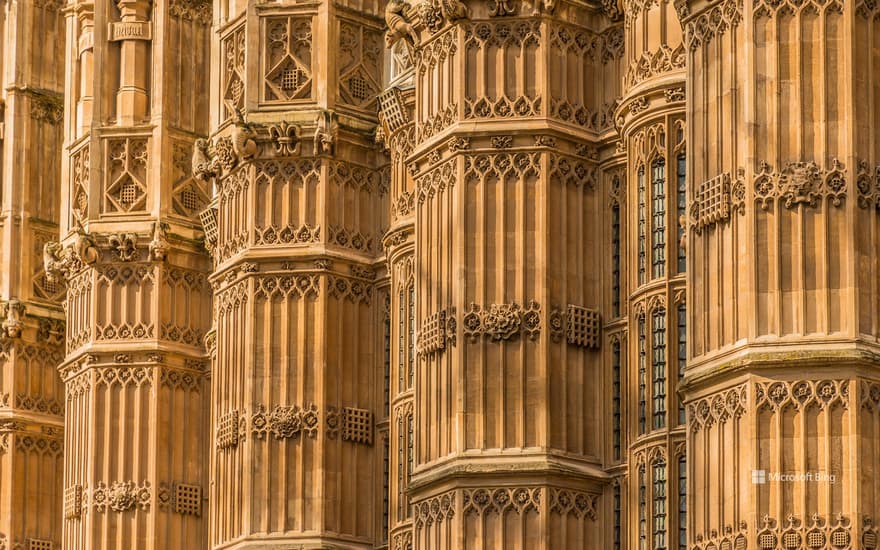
x: 439, y: 274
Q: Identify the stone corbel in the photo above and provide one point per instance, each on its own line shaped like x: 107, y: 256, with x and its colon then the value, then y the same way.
x: 12, y: 313
x: 325, y: 134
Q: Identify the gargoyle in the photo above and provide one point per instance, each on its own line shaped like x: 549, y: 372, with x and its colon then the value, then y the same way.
x: 202, y: 164
x: 399, y: 18
x: 243, y: 137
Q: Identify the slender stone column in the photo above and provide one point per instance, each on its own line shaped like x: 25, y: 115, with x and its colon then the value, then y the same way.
x: 302, y: 343
x: 138, y: 299
x: 510, y: 105
x: 31, y: 319
x: 782, y: 293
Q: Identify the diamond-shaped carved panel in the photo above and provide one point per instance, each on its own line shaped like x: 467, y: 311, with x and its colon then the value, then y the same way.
x: 287, y: 58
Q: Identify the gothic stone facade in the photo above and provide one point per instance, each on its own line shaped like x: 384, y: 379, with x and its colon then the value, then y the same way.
x: 439, y: 274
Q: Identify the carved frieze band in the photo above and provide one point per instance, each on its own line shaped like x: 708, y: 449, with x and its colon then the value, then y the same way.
x: 711, y: 23
x: 651, y: 64
x: 717, y: 408
x: 800, y: 183
x: 501, y: 322
x: 437, y: 509
x: 483, y: 502
x: 818, y: 532
x: 436, y: 331
x: 289, y: 422
x: 730, y: 538
x: 801, y: 394
x: 121, y: 496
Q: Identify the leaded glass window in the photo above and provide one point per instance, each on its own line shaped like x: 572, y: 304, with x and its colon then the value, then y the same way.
x: 658, y: 218
x: 658, y: 367
x: 658, y: 476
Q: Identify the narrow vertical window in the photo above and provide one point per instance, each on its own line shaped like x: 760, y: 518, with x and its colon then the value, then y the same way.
x: 682, y: 354
x: 643, y: 236
x: 615, y: 396
x: 615, y: 260
x: 682, y: 503
x: 643, y: 510
x: 409, y: 458
x: 681, y: 172
x: 617, y: 515
x: 401, y: 469
x: 658, y: 221
x: 401, y: 341
x: 643, y: 374
x: 658, y: 476
x: 386, y: 360
x: 412, y: 335
x: 658, y: 367
x: 385, y: 482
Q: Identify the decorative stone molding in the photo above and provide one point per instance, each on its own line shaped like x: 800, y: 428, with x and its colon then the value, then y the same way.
x: 730, y: 539
x: 794, y: 533
x: 801, y: 394
x: 717, y: 408
x: 800, y: 183
x: 286, y: 287
x: 197, y: 11
x: 579, y: 325
x: 437, y: 509
x: 651, y: 64
x: 121, y: 496
x: 868, y: 185
x: 285, y: 422
x: 712, y: 23
x: 39, y: 404
x: 567, y: 502
x: 436, y: 331
x: 771, y: 8
x: 483, y: 502
x: 501, y: 322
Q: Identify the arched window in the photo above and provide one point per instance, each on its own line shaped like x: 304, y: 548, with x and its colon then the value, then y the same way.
x: 643, y: 221
x: 658, y: 476
x: 658, y: 367
x: 617, y: 515
x: 681, y: 172
x: 682, y: 354
x: 412, y: 334
x: 643, y: 510
x: 682, y: 503
x: 658, y: 221
x: 643, y: 373
x: 615, y: 260
x: 615, y: 396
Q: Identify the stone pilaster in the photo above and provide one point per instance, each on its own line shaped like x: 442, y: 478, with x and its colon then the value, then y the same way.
x: 302, y: 343
x: 782, y: 293
x: 509, y: 110
x: 138, y: 299
x: 31, y: 320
